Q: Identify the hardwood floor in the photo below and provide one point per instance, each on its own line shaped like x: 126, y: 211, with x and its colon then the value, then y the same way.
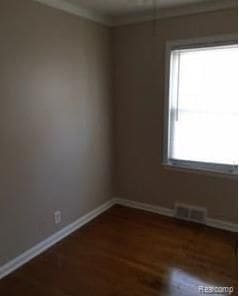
x: 128, y: 252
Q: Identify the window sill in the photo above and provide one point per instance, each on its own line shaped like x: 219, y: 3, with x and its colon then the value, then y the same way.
x: 198, y: 168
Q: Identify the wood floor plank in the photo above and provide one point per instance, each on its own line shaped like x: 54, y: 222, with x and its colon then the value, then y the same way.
x: 128, y: 252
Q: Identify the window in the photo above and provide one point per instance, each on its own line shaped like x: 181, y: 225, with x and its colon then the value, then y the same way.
x: 203, y: 107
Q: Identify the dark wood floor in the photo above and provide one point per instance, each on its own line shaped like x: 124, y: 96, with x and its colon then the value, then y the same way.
x: 128, y: 252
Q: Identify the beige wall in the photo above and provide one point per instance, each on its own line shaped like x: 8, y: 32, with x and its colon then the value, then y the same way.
x: 139, y: 52
x: 56, y: 124
x: 55, y: 113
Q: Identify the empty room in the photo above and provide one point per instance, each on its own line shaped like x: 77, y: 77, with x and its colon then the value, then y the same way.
x: 119, y: 147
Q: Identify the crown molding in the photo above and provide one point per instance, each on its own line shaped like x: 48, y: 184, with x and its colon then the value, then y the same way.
x: 188, y: 9
x: 77, y: 10
x: 181, y: 10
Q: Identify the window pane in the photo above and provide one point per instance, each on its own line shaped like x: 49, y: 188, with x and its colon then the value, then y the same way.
x: 204, y: 107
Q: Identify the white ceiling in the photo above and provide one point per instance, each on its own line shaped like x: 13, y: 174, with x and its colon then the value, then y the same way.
x: 118, y: 12
x: 126, y: 7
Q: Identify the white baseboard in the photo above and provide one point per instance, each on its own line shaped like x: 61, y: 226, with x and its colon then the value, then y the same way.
x: 224, y: 225
x: 52, y: 240
x: 144, y: 206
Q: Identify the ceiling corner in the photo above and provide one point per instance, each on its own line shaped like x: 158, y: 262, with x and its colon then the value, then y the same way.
x: 77, y: 10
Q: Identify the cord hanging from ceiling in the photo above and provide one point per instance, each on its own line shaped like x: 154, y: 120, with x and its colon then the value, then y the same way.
x: 155, y: 15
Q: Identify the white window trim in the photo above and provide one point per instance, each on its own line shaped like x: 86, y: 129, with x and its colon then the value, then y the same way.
x: 210, y: 168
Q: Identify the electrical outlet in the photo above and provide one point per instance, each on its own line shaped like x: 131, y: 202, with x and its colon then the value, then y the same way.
x: 57, y: 216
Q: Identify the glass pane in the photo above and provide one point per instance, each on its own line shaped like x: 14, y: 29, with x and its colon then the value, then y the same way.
x: 205, y: 106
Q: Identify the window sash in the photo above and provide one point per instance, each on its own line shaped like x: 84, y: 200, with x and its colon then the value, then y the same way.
x: 203, y: 166
x: 171, y: 107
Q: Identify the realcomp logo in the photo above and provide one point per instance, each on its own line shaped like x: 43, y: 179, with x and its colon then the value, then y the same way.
x: 215, y: 290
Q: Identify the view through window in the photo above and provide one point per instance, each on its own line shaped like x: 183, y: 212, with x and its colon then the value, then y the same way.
x: 204, y: 105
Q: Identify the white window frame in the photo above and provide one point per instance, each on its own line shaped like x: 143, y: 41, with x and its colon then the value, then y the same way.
x: 212, y: 41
